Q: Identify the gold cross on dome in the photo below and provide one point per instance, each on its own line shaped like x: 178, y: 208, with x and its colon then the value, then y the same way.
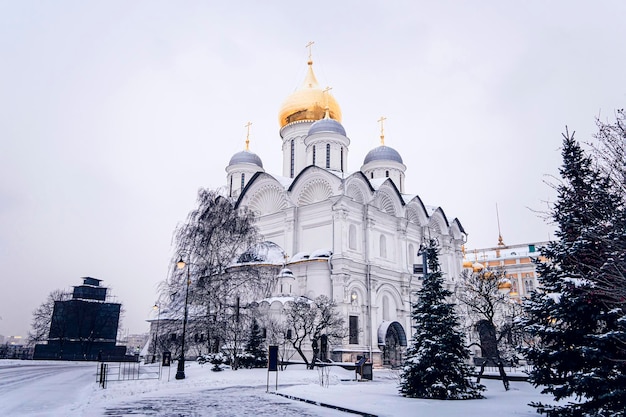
x: 326, y: 92
x: 382, y: 129
x: 248, y: 135
x: 310, y: 45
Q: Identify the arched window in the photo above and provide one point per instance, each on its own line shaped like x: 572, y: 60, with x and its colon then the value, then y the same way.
x: 386, y: 174
x: 293, y: 158
x: 352, y: 237
x: 385, y: 307
x: 411, y: 256
x: 372, y: 175
x: 231, y: 185
x: 383, y: 246
x: 328, y: 155
x: 243, y: 180
x: 313, y: 154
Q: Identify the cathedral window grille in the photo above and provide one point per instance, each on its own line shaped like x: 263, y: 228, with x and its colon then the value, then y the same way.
x: 243, y: 180
x: 352, y: 237
x: 342, y: 159
x: 328, y: 155
x: 313, y: 154
x: 293, y: 157
x: 354, y: 330
x: 387, y: 174
x: 383, y: 246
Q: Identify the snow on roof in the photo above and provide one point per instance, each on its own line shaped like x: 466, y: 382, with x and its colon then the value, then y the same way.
x: 263, y: 253
x: 321, y: 253
x: 299, y: 256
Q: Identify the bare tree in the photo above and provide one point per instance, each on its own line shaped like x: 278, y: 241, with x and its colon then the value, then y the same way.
x: 210, y: 242
x: 307, y: 320
x: 42, y: 317
x: 491, y: 313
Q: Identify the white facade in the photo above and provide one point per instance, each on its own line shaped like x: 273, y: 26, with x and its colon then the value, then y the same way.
x: 370, y: 228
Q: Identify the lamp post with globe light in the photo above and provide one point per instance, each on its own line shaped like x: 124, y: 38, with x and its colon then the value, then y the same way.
x: 156, y: 333
x: 180, y: 372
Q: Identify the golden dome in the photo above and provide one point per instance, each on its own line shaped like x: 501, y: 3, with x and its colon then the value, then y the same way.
x: 308, y: 102
x: 504, y: 285
x: 468, y: 264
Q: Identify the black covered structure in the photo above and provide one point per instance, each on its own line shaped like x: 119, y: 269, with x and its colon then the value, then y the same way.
x: 84, y: 327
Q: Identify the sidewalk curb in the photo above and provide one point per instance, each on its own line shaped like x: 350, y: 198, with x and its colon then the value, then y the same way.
x: 320, y: 404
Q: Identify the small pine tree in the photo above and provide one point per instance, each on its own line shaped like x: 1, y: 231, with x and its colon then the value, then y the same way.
x: 577, y: 356
x: 254, y: 348
x: 436, y: 366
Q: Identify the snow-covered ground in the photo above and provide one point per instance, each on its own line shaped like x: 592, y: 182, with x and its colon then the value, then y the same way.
x: 38, y: 388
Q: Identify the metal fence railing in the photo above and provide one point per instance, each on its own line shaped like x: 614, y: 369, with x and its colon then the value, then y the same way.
x: 126, y: 371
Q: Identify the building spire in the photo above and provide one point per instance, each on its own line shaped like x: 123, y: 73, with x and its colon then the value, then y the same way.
x: 247, y: 125
x: 500, y: 241
x: 382, y: 130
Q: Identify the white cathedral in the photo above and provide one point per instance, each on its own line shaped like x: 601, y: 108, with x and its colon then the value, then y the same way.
x: 350, y: 235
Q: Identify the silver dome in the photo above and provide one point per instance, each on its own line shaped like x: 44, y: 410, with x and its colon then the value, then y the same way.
x: 246, y: 157
x: 382, y: 153
x: 327, y: 125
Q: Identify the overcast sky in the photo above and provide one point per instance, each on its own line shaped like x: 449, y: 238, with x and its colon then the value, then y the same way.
x: 114, y: 113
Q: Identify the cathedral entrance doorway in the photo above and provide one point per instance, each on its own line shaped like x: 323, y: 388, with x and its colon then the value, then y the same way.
x: 392, y: 343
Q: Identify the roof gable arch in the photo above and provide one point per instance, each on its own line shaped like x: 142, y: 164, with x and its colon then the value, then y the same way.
x: 439, y: 222
x: 416, y: 212
x: 456, y: 229
x: 263, y: 195
x: 388, y: 199
x: 358, y: 188
x: 313, y: 184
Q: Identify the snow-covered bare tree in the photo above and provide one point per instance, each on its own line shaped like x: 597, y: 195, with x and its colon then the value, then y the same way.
x: 578, y: 356
x: 215, y: 234
x: 610, y: 153
x: 435, y: 365
x: 308, y: 320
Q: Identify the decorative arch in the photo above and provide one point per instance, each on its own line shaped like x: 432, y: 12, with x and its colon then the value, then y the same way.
x: 383, y: 329
x: 268, y: 199
x: 355, y: 193
x: 386, y: 204
x: 314, y: 191
x: 392, y: 342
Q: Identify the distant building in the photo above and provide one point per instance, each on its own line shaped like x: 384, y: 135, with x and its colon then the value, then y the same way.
x: 515, y: 260
x: 84, y: 327
x: 134, y: 342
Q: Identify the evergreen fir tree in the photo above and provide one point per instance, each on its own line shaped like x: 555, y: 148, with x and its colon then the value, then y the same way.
x: 436, y: 366
x: 577, y: 356
x: 255, y: 347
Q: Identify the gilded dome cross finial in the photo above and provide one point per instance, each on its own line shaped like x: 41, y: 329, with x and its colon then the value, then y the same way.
x: 310, y: 45
x: 382, y: 130
x: 326, y: 92
x: 247, y: 125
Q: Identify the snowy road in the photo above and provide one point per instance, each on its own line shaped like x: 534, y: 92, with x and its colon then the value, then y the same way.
x: 29, y: 388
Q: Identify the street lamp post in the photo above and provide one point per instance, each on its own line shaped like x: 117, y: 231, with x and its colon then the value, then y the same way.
x: 180, y: 372
x: 156, y: 333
